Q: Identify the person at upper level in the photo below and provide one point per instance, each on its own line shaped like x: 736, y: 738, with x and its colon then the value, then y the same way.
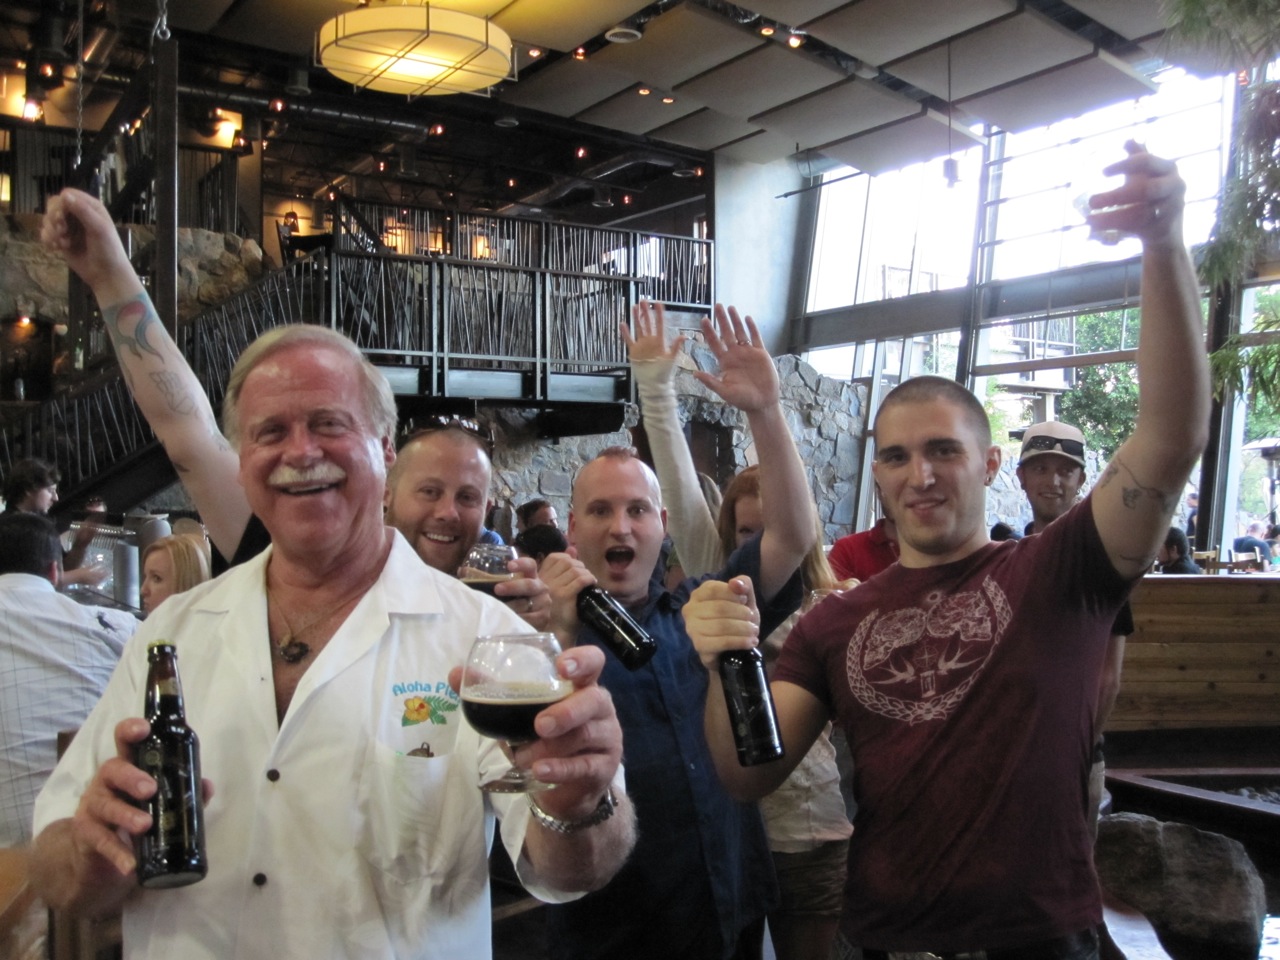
x: 175, y: 405
x: 320, y: 677
x: 966, y: 676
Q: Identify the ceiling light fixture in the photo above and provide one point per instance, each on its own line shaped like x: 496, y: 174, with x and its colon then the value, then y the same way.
x: 668, y: 99
x: 796, y: 40
x: 414, y: 49
x: 580, y: 53
x: 644, y: 91
x: 767, y: 30
x: 535, y: 53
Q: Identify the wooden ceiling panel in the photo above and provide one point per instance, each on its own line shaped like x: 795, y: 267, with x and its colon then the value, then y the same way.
x: 998, y: 53
x: 793, y: 13
x: 761, y: 80
x: 762, y: 147
x: 877, y: 31
x: 567, y: 87
x: 289, y: 26
x: 1063, y: 91
x: 682, y: 43
x: 926, y: 136
x: 846, y: 108
x: 633, y: 113
x: 704, y: 130
x: 1132, y: 19
x: 562, y: 24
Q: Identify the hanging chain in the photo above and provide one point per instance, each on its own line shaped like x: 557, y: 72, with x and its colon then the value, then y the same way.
x: 162, y: 20
x: 80, y: 86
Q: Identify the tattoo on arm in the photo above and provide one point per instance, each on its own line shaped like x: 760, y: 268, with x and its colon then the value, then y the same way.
x: 140, y: 317
x: 168, y: 384
x: 1134, y: 493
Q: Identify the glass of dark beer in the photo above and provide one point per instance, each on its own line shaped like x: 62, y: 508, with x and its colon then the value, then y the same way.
x: 485, y: 566
x: 508, y: 680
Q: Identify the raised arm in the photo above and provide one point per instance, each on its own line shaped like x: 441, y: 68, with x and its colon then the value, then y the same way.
x: 1137, y: 494
x: 749, y: 381
x: 163, y: 384
x: 689, y: 520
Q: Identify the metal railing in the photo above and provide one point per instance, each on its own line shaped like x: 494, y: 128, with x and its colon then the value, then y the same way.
x: 538, y: 330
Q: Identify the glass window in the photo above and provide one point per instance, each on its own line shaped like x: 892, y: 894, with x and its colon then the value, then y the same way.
x: 896, y: 234
x: 1036, y: 225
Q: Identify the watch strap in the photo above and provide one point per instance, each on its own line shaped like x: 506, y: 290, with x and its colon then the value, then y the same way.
x: 603, y: 811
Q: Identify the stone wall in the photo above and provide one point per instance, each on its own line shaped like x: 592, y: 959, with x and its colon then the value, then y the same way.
x: 825, y: 416
x: 211, y: 267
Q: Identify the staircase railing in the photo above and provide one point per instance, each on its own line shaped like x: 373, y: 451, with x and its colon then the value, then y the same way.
x: 542, y: 332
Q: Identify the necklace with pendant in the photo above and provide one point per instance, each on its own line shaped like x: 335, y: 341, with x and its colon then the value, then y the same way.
x: 290, y: 648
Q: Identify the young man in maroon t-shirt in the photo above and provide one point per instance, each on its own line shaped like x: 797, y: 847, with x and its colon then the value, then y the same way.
x: 965, y: 676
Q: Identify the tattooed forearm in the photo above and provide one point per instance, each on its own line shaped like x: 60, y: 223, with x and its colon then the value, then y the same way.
x: 131, y: 323
x: 170, y: 387
x: 1133, y: 493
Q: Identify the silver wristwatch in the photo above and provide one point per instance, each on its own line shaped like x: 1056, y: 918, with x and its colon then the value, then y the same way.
x: 603, y: 811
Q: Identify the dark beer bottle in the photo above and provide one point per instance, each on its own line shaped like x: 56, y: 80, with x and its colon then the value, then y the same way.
x: 629, y: 641
x: 751, y: 710
x: 171, y: 852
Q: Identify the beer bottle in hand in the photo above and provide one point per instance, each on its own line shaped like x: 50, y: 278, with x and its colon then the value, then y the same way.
x: 751, y: 710
x: 629, y: 641
x: 171, y: 852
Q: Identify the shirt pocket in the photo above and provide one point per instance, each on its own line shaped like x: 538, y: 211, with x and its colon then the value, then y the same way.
x: 419, y: 812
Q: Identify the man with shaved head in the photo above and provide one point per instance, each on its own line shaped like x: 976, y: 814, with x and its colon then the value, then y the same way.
x: 701, y: 878
x: 966, y: 676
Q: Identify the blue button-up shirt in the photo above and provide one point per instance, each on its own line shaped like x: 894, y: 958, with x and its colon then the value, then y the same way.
x: 701, y: 870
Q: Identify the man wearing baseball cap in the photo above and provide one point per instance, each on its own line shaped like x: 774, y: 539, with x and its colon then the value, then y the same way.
x: 1051, y: 471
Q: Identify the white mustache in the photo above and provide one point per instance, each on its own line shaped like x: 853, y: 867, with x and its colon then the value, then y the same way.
x: 321, y: 473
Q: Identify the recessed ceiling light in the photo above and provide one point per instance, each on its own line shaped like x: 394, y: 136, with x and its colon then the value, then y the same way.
x: 668, y: 99
x: 644, y: 91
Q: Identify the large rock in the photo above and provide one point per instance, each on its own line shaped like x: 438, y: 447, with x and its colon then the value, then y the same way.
x: 1200, y: 890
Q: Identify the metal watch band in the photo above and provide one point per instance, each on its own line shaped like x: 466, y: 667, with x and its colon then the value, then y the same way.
x: 603, y: 811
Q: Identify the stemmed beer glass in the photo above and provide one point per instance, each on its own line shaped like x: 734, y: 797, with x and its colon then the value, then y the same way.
x: 485, y: 566
x: 508, y: 680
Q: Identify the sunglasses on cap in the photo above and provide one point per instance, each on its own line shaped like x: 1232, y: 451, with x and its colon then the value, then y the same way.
x: 1072, y: 448
x: 438, y: 422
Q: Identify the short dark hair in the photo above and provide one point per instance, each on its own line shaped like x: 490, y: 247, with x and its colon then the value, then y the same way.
x: 28, y: 543
x: 1176, y: 540
x: 930, y: 388
x: 539, y: 540
x: 525, y: 511
x: 26, y: 476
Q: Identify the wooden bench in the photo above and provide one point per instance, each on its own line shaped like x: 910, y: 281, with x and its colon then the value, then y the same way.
x: 1205, y: 653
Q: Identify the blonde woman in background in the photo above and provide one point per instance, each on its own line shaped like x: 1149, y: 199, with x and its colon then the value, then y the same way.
x: 805, y: 818
x: 171, y: 565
